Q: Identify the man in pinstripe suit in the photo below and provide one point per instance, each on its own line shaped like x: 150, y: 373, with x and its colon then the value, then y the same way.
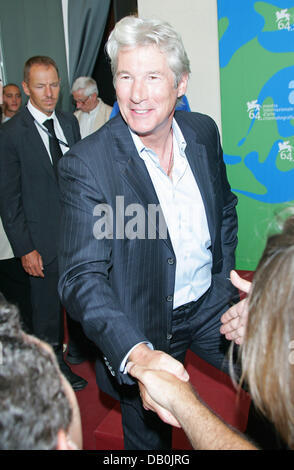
x: 149, y: 228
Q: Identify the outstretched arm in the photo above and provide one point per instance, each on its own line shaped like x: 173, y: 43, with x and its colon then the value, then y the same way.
x: 204, y: 429
x: 235, y: 319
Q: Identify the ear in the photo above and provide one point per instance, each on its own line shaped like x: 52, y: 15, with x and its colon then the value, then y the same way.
x: 63, y: 442
x: 26, y: 88
x: 182, y: 87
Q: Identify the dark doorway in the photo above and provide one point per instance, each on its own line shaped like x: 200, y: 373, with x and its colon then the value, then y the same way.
x: 102, y: 71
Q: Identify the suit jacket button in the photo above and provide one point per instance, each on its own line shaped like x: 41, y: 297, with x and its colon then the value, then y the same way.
x: 170, y: 260
x: 169, y: 336
x: 169, y: 298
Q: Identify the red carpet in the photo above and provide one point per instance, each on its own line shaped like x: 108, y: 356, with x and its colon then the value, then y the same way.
x: 94, y: 404
x: 101, y: 420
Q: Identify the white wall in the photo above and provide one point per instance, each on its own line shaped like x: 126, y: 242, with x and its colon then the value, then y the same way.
x: 196, y: 21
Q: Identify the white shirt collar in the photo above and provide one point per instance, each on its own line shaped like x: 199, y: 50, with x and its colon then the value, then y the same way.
x: 177, y: 133
x: 38, y: 115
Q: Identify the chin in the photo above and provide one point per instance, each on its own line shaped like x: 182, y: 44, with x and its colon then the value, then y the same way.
x: 49, y: 110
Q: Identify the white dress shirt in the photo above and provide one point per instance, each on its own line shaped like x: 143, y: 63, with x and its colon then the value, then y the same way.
x: 41, y: 118
x: 185, y: 216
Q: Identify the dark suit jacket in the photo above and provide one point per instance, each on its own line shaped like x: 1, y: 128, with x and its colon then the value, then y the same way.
x: 120, y: 289
x: 29, y: 194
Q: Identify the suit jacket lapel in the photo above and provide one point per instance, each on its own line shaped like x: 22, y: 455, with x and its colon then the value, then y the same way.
x: 38, y: 151
x: 132, y: 168
x: 66, y: 127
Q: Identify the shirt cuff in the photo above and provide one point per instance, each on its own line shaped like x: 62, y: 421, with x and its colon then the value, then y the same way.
x: 125, y: 359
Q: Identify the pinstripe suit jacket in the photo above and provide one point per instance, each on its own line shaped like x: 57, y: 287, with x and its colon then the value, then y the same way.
x: 121, y: 289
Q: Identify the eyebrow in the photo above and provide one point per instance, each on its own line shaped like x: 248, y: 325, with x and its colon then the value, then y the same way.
x: 157, y: 72
x: 51, y: 83
x: 119, y: 72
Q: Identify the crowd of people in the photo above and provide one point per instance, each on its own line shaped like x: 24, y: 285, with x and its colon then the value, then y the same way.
x: 126, y: 225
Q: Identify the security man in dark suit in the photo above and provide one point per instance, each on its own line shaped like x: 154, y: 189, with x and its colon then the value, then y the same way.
x: 31, y: 144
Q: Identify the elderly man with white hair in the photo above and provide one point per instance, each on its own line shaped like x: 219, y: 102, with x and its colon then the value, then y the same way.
x: 145, y: 289
x: 91, y: 111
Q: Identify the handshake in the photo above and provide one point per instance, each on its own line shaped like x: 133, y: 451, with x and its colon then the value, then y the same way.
x: 165, y: 388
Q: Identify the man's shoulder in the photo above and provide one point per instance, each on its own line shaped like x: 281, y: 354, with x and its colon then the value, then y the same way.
x: 113, y: 130
x: 65, y: 115
x: 16, y: 124
x: 106, y: 106
x: 78, y: 113
x: 193, y: 118
x: 202, y: 125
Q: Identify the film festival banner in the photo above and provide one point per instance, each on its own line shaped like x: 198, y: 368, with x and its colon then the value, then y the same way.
x: 256, y: 45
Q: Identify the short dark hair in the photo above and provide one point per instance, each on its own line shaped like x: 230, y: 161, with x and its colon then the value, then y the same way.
x: 33, y: 404
x: 10, y: 84
x: 38, y: 60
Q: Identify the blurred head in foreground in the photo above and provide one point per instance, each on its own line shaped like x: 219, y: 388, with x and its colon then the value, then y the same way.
x: 38, y: 408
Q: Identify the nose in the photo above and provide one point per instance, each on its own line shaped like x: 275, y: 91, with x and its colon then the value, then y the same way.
x: 138, y: 91
x: 48, y: 91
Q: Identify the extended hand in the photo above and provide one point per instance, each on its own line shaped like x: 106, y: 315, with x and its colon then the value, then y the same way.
x: 235, y: 319
x: 32, y: 263
x: 164, y: 388
x: 157, y: 360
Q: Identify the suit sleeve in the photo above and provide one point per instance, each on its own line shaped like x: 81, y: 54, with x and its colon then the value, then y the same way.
x: 11, y: 207
x: 85, y: 263
x: 228, y: 230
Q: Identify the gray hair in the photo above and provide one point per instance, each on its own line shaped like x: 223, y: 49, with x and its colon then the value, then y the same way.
x: 87, y: 84
x: 131, y: 31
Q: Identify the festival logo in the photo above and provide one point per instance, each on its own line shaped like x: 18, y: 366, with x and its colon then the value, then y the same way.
x: 286, y: 151
x: 253, y: 109
x: 283, y: 20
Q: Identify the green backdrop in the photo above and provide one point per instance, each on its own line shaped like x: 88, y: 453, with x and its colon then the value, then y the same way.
x: 256, y: 43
